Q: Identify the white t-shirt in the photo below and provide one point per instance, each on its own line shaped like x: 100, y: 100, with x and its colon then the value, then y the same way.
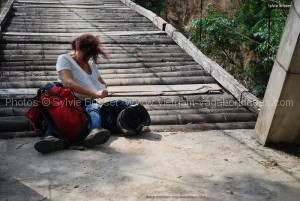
x: 66, y: 62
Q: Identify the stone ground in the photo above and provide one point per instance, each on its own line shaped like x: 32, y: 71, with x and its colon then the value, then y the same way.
x: 211, y: 165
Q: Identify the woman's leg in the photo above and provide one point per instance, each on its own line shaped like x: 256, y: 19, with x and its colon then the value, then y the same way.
x: 94, y: 111
x: 49, y: 132
x: 97, y: 135
x: 49, y: 143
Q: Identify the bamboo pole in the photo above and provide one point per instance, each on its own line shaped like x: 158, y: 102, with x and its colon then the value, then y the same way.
x: 20, y: 134
x: 14, y: 124
x: 200, y: 127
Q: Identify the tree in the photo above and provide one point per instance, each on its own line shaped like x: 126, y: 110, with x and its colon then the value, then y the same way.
x: 255, y: 30
x: 154, y: 5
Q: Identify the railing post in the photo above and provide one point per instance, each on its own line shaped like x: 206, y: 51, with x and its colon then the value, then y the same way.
x: 278, y: 120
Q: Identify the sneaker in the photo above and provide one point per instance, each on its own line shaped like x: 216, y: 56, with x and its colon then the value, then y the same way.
x: 96, y: 136
x: 49, y: 144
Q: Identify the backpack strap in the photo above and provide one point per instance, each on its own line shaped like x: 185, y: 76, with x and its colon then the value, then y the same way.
x: 53, y: 126
x: 47, y: 87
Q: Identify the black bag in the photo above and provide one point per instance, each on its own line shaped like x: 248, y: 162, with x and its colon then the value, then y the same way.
x: 119, y: 117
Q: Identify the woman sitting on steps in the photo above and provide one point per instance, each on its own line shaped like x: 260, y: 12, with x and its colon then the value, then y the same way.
x: 78, y: 70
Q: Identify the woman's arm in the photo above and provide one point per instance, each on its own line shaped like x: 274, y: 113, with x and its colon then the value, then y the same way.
x: 67, y: 78
x: 102, y: 81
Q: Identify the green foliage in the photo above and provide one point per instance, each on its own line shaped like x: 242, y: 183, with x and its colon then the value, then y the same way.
x: 269, y: 42
x: 229, y: 41
x: 249, y: 12
x: 154, y: 5
x: 267, y: 49
x: 217, y: 34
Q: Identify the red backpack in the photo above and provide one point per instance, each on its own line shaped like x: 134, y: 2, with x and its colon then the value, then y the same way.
x: 61, y: 110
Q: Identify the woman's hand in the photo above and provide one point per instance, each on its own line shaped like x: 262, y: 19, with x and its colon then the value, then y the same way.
x: 101, y: 94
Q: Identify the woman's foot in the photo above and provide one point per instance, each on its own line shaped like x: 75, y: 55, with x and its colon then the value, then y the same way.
x: 95, y: 137
x: 49, y: 144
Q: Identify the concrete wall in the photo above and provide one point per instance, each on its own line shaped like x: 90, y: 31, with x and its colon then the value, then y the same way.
x: 5, y: 9
x: 279, y: 118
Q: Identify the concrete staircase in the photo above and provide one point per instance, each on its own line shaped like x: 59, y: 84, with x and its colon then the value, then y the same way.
x: 145, y: 66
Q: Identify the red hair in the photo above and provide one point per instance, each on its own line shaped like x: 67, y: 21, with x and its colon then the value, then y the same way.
x: 90, y: 45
